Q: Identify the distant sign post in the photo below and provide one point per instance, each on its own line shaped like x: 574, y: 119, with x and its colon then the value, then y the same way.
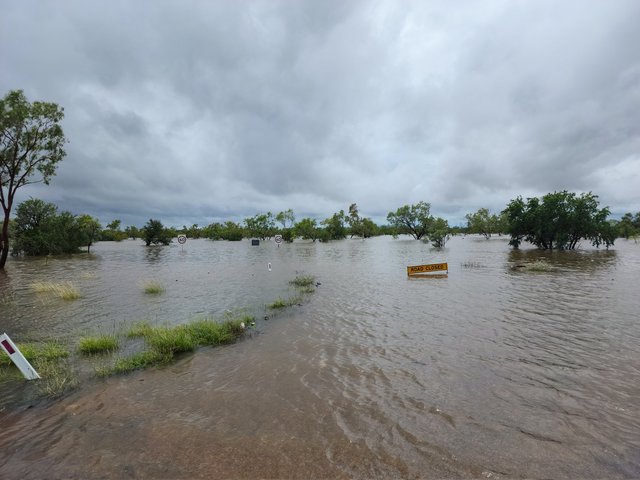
x: 278, y: 240
x: 414, y: 270
x: 182, y: 239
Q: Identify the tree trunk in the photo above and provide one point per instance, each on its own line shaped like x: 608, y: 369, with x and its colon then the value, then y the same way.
x: 4, y: 240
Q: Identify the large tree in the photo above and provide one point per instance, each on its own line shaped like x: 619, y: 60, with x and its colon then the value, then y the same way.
x: 39, y: 229
x: 414, y: 220
x: 31, y: 145
x: 559, y: 220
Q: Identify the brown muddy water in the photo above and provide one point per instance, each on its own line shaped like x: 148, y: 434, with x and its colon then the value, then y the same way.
x: 493, y: 371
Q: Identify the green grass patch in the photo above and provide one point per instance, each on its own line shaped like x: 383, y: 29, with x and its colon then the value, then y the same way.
x: 163, y: 343
x: 137, y: 361
x: 99, y: 344
x: 34, y: 352
x: 303, y: 281
x: 56, y: 377
x: 140, y: 329
x: 153, y: 288
x: 63, y: 290
x: 171, y: 340
x: 284, y: 303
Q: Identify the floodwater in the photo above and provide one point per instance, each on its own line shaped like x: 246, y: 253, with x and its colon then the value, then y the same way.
x: 490, y: 372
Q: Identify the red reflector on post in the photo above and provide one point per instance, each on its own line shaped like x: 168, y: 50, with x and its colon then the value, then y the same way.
x: 8, y: 347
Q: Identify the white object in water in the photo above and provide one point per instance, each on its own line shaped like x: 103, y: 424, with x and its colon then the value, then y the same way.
x: 16, y: 357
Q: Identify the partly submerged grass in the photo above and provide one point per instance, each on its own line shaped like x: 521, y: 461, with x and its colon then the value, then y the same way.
x: 153, y: 287
x: 49, y: 360
x: 165, y: 342
x: 63, y: 290
x: 34, y: 352
x: 303, y: 281
x: 538, y: 266
x: 56, y: 377
x: 139, y: 329
x: 284, y: 302
x: 99, y: 344
x: 137, y: 361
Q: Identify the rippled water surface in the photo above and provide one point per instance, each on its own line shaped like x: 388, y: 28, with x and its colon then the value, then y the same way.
x: 492, y: 371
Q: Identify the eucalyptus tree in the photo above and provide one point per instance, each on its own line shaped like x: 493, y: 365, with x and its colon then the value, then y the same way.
x: 31, y: 146
x: 559, y: 220
x: 414, y: 220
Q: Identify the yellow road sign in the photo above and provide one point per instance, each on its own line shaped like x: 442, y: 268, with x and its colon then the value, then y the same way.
x: 420, y: 269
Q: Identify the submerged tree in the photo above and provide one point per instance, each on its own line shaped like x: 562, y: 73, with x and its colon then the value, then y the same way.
x: 439, y: 232
x: 40, y: 230
x: 31, y: 145
x: 154, y: 232
x: 559, y: 220
x: 414, y: 220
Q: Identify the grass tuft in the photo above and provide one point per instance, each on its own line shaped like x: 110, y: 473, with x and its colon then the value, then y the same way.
x: 56, y: 377
x: 303, y: 281
x: 137, y: 361
x: 63, y: 290
x: 99, y: 344
x: 538, y: 266
x: 153, y: 287
x: 165, y: 342
x: 284, y: 303
x: 140, y: 329
x: 35, y: 352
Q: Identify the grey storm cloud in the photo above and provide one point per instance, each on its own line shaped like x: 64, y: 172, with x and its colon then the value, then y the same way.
x: 199, y: 111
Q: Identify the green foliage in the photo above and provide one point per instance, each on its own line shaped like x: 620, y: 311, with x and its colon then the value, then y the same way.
x: 228, y: 231
x: 89, y: 230
x: 360, y: 226
x: 335, y: 226
x: 629, y: 225
x: 413, y: 220
x: 260, y: 226
x: 559, y: 220
x: 284, y: 302
x: 153, y: 287
x: 194, y: 231
x: 165, y: 342
x: 303, y: 281
x: 38, y: 229
x: 288, y: 234
x: 439, y: 232
x: 99, y: 344
x: 136, y: 361
x: 31, y: 144
x: 112, y: 232
x: 286, y: 216
x: 484, y: 223
x: 155, y: 233
x: 307, y: 229
x: 132, y: 232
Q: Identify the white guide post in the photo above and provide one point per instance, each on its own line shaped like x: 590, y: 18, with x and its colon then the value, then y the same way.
x: 16, y: 356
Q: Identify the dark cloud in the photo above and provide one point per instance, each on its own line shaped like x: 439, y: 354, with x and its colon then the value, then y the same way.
x: 195, y: 111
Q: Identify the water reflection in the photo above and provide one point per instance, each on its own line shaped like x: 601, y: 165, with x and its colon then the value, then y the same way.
x: 493, y: 369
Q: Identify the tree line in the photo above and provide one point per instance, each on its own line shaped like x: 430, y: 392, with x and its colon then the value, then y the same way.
x: 32, y: 144
x: 558, y: 220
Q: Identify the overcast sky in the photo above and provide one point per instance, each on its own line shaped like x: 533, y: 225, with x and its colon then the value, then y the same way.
x: 197, y: 111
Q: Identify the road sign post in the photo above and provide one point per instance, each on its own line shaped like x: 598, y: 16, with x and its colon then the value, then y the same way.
x: 16, y: 357
x: 278, y: 240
